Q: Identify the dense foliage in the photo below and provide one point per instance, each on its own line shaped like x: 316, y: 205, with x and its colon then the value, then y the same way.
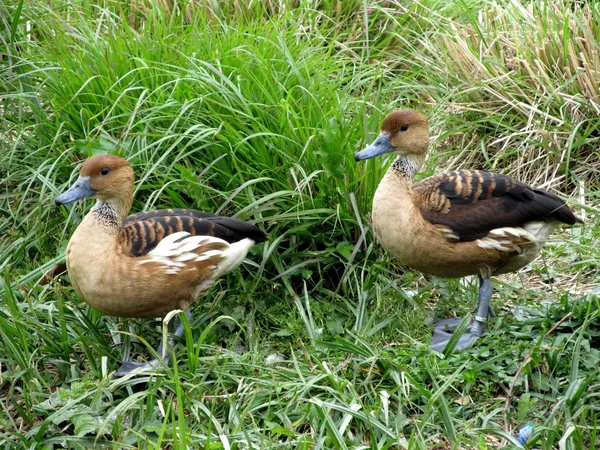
x: 254, y: 109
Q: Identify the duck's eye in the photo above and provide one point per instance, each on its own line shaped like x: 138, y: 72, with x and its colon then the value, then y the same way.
x: 105, y: 171
x: 403, y: 128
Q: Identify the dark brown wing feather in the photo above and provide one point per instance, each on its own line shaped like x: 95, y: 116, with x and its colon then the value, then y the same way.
x: 55, y: 271
x: 141, y: 232
x: 473, y: 202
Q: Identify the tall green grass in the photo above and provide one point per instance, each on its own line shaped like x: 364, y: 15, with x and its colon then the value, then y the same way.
x: 254, y: 109
x: 518, y: 83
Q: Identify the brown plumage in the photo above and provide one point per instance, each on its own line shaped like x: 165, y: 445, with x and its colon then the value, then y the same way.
x: 141, y: 232
x: 470, y: 202
x: 146, y: 264
x: 458, y: 223
x: 55, y: 271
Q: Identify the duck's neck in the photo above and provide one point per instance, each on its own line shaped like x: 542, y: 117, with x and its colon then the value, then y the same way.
x: 111, y: 213
x: 406, y: 166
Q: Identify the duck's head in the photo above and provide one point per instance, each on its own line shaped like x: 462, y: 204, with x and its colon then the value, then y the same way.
x: 404, y: 132
x: 107, y: 178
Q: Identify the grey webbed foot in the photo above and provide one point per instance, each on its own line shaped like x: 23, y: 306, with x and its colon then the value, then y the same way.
x: 163, y: 351
x: 448, y: 324
x: 129, y: 366
x: 441, y: 337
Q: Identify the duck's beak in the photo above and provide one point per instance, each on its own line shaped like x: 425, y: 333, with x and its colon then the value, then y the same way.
x: 380, y: 146
x: 81, y: 189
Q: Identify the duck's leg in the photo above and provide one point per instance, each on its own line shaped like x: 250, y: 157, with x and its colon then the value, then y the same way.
x: 164, y: 348
x: 440, y: 337
x: 452, y: 324
x: 491, y: 312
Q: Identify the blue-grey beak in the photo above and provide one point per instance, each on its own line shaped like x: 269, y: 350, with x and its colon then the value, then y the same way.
x: 380, y: 146
x: 81, y: 189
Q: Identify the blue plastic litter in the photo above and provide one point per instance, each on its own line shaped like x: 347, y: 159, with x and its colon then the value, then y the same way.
x: 525, y: 433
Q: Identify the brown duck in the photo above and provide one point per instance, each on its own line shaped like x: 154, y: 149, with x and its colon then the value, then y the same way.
x: 146, y: 264
x: 458, y: 223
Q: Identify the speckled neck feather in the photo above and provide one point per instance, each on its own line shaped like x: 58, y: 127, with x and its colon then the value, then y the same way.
x: 107, y: 213
x: 407, y: 166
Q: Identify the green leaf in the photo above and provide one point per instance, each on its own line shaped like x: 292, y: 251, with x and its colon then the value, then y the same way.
x: 85, y: 424
x: 331, y: 156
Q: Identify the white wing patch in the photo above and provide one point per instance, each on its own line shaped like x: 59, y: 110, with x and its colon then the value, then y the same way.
x: 232, y: 257
x: 500, y: 239
x: 449, y: 234
x: 541, y: 230
x: 177, y: 249
x: 512, y: 231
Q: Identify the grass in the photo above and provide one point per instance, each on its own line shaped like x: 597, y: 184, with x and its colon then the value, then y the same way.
x: 254, y: 109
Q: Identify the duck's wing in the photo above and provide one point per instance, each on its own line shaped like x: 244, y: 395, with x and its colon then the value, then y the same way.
x: 472, y: 203
x: 140, y: 233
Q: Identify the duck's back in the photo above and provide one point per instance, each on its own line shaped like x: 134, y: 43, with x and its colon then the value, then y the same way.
x: 474, y: 202
x: 141, y: 232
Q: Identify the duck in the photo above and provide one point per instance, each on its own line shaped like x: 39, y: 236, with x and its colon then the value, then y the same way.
x: 150, y: 263
x: 457, y: 223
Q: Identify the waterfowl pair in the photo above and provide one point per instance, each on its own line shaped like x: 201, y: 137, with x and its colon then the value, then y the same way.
x: 465, y: 222
x: 146, y: 264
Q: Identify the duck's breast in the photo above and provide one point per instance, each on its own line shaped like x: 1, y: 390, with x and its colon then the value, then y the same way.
x: 89, y: 257
x: 399, y: 227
